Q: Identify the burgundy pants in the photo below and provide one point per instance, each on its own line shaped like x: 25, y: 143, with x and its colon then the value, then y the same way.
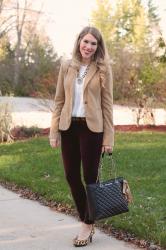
x: 79, y: 144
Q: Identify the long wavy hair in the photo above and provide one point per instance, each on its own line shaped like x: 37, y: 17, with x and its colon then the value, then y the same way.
x: 100, y: 57
x: 100, y: 54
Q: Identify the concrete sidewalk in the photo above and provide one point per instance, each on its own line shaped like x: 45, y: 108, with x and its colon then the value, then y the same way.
x: 28, y: 225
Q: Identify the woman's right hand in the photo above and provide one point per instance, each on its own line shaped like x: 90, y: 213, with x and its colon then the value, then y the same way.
x: 54, y: 143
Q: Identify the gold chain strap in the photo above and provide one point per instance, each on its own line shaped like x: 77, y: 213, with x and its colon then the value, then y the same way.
x: 112, y: 166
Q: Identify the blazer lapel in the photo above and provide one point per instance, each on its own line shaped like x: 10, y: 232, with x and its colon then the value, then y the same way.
x: 90, y: 74
x: 71, y: 79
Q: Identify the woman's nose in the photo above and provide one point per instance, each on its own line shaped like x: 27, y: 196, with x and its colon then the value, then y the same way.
x: 89, y: 46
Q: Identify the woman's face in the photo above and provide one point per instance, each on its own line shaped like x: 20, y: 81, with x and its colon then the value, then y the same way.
x: 88, y: 47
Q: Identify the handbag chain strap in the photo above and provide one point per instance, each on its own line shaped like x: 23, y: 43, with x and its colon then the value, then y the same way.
x: 112, y: 166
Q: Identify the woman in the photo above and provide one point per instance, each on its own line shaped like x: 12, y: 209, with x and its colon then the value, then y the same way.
x: 83, y: 119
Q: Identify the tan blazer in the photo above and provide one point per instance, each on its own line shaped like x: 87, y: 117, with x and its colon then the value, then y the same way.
x: 98, y: 101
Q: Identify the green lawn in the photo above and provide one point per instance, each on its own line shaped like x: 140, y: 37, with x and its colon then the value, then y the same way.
x: 140, y: 157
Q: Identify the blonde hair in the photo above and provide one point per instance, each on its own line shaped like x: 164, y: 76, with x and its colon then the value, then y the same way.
x: 100, y: 57
x: 100, y: 54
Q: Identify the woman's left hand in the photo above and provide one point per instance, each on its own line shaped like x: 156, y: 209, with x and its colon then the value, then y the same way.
x: 107, y: 149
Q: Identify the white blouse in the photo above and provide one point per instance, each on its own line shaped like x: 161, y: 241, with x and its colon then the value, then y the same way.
x: 78, y: 105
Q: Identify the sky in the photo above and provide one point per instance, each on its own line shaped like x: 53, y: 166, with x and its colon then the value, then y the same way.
x: 67, y: 17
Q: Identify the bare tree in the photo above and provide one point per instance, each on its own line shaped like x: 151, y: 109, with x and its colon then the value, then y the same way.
x: 5, y: 20
x: 19, y: 29
x: 23, y: 18
x: 16, y: 17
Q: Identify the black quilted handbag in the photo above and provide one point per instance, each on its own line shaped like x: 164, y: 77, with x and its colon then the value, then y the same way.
x: 107, y: 198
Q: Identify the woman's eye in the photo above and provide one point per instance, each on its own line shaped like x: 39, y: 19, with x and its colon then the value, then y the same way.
x: 85, y: 41
x: 92, y: 43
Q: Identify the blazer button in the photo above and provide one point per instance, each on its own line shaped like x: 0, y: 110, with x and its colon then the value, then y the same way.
x: 85, y: 102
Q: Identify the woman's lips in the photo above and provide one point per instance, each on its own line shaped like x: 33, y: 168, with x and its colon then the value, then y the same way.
x: 87, y: 52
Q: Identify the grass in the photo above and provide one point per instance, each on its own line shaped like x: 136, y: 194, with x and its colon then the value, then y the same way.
x: 140, y: 157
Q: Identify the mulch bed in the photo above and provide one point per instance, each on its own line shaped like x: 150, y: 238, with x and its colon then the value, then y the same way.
x: 108, y: 229
x: 135, y: 128
x: 19, y: 134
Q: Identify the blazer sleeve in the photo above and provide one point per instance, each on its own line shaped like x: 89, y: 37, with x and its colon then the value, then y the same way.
x: 58, y: 104
x: 107, y: 109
